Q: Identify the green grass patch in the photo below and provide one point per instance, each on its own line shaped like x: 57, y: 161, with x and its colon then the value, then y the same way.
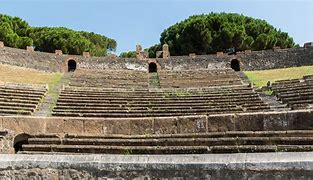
x: 260, y: 78
x: 268, y: 92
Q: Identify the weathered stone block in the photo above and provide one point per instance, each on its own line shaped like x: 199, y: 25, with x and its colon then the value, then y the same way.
x: 192, y: 55
x: 86, y: 54
x: 141, y: 126
x: 219, y: 54
x: 192, y: 124
x: 74, y: 126
x: 165, y: 125
x: 275, y: 121
x: 19, y: 125
x: 220, y: 123
x: 54, y: 125
x: 300, y: 120
x: 30, y: 48
x: 120, y: 126
x: 1, y: 44
x: 94, y: 127
x: 58, y: 52
x: 248, y: 51
x: 248, y: 122
x: 166, y: 52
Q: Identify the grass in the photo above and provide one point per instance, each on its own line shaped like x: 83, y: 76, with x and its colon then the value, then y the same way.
x: 16, y: 74
x: 260, y: 78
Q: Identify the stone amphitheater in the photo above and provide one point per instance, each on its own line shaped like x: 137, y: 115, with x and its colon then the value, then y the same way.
x: 186, y: 117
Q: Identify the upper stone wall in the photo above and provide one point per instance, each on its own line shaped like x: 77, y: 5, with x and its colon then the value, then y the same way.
x: 255, y: 60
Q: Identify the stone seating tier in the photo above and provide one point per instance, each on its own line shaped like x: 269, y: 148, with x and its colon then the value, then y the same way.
x: 20, y: 99
x: 113, y: 79
x: 85, y: 103
x: 298, y: 93
x: 215, y: 142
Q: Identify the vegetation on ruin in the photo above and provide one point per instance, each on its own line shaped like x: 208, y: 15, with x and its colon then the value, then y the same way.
x: 16, y: 74
x: 221, y: 32
x: 129, y: 54
x: 260, y: 78
x: 15, y: 32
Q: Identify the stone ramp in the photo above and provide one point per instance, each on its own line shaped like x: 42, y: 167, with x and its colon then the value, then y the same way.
x: 212, y: 166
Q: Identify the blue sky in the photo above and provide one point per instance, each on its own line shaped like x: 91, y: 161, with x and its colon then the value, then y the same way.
x: 132, y: 22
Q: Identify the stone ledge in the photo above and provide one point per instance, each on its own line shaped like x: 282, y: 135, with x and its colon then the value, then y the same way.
x: 280, y: 160
x: 221, y: 166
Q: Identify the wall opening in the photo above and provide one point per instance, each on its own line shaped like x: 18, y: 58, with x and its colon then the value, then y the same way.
x: 152, y: 67
x: 235, y: 65
x: 71, y: 65
x: 19, y: 140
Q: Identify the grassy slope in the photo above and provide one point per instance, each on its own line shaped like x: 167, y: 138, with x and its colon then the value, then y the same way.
x: 16, y: 74
x: 260, y: 78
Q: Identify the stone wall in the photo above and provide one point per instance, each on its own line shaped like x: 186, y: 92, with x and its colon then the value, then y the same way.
x: 256, y: 166
x: 255, y: 60
x: 288, y: 120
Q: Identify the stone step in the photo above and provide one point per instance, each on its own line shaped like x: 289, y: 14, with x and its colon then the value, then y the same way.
x: 116, y: 149
x: 18, y: 101
x: 22, y: 89
x: 129, y: 115
x: 17, y: 108
x: 14, y: 112
x: 224, y: 141
x: 288, y: 133
x: 166, y: 100
x: 20, y: 98
x: 164, y: 96
x: 16, y: 104
x: 171, y: 111
x: 165, y: 149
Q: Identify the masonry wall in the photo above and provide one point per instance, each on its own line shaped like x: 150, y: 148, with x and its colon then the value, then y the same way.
x: 255, y: 60
x: 257, y: 166
x: 288, y: 120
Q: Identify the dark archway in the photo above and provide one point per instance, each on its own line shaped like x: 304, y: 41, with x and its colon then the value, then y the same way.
x: 152, y: 67
x: 19, y: 140
x: 235, y: 65
x: 71, y: 65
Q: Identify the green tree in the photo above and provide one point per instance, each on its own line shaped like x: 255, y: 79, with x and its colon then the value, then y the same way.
x: 210, y: 33
x: 15, y: 32
x: 129, y: 54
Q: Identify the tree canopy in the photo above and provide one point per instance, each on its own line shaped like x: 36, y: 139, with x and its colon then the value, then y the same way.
x: 15, y: 32
x: 129, y: 54
x: 216, y: 32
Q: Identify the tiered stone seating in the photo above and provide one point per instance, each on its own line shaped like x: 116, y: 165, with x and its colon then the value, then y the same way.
x: 142, y: 103
x: 198, y: 78
x: 110, y: 79
x: 199, y: 143
x: 18, y: 99
x: 297, y: 93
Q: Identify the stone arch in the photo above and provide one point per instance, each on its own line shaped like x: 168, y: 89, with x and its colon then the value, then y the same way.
x: 235, y: 64
x: 19, y: 140
x: 153, y: 67
x: 71, y: 65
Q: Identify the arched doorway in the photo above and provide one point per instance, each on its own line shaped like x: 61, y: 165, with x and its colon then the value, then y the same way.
x: 235, y: 65
x: 152, y: 67
x: 19, y: 140
x: 71, y: 65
